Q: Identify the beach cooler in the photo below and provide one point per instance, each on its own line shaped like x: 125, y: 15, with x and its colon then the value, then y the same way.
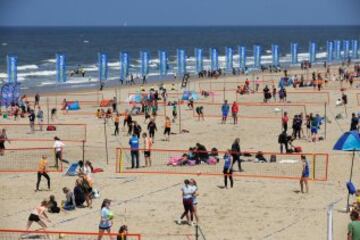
x: 105, y: 103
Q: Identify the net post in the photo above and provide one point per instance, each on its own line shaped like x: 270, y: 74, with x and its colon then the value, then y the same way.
x: 314, y: 166
x: 325, y: 120
x: 83, y: 151
x: 197, y: 232
x: 120, y: 160
x: 106, y: 143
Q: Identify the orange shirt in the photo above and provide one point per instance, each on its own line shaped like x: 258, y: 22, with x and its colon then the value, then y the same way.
x: 167, y: 124
x: 42, y: 166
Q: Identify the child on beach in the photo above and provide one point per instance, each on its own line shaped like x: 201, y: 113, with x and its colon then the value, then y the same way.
x: 147, y: 149
x: 305, y: 173
x: 52, y: 205
x: 228, y: 171
x: 105, y: 219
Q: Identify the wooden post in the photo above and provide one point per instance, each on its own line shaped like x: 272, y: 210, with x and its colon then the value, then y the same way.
x: 179, y: 104
x: 106, y: 143
x: 325, y: 120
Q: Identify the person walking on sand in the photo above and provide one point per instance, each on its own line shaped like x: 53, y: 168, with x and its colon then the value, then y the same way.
x: 195, y: 201
x: 42, y: 171
x: 187, y: 196
x: 134, y: 146
x: 147, y: 149
x: 167, y: 129
x: 225, y: 111
x: 59, y: 150
x: 228, y: 171
x: 152, y: 128
x: 305, y: 173
x: 39, y: 216
x: 235, y: 111
x: 106, y: 217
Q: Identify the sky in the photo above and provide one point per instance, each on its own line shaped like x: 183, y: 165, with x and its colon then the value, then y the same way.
x: 178, y: 12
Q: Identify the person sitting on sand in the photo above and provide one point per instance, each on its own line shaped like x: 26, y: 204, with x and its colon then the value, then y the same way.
x: 52, y: 205
x: 201, y: 153
x: 122, y: 235
x: 69, y: 203
x: 79, y: 193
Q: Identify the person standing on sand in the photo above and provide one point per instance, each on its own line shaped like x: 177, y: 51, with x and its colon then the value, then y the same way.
x: 225, y: 111
x: 354, y: 125
x: 105, y: 219
x: 236, y: 153
x: 116, y: 124
x: 42, y: 171
x: 32, y: 121
x: 234, y: 112
x: 284, y: 121
x: 3, y: 138
x: 354, y: 226
x: 228, y: 171
x: 40, y: 117
x: 134, y: 146
x: 167, y: 129
x: 305, y: 173
x: 187, y: 196
x: 37, y: 100
x: 147, y: 149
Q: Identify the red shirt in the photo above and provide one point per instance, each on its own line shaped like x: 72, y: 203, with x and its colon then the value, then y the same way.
x: 285, y: 119
x: 235, y: 108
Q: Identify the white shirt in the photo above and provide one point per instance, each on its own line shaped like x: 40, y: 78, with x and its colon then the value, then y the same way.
x: 188, y: 191
x: 58, y: 145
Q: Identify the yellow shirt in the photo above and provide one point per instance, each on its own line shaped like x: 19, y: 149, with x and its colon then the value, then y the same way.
x: 42, y: 166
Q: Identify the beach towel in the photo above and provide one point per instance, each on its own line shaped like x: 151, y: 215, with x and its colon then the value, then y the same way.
x: 212, y: 161
x: 174, y: 161
x: 105, y: 103
x: 97, y: 170
x: 72, y: 170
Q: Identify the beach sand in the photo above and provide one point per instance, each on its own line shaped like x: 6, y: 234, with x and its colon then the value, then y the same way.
x: 256, y: 208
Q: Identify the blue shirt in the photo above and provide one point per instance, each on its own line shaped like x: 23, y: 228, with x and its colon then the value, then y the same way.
x: 225, y: 109
x: 227, y: 163
x: 306, y: 171
x: 134, y: 143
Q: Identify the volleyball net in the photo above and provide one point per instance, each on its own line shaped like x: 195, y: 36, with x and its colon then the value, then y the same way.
x: 252, y: 110
x: 7, y: 234
x: 220, y: 85
x: 66, y: 132
x: 27, y: 159
x: 254, y: 163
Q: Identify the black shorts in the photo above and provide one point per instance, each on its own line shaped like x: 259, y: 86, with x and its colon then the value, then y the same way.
x: 34, y: 218
x: 167, y: 131
x: 226, y: 171
x: 147, y: 153
x: 2, y: 145
x: 188, y: 204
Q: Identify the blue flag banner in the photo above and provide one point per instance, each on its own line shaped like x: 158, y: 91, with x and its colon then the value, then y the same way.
x: 181, y: 62
x: 214, y: 58
x: 242, y: 57
x: 354, y: 49
x: 294, y: 52
x: 346, y: 47
x: 275, y: 55
x: 12, y: 68
x: 257, y: 56
x: 163, y: 64
x: 199, y: 63
x: 124, y: 65
x: 103, y: 66
x: 312, y: 52
x: 145, y: 59
x: 60, y: 68
x: 337, y: 54
x: 330, y: 50
x: 9, y: 94
x: 229, y: 54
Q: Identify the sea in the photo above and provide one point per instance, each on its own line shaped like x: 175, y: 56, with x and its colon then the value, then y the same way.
x: 35, y: 48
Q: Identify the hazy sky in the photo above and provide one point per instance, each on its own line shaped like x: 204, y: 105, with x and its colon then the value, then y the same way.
x: 178, y: 12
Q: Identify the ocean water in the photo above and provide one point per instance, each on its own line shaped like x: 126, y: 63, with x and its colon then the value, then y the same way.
x: 36, y: 47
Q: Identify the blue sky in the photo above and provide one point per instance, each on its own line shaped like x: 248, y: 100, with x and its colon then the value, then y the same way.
x: 178, y: 12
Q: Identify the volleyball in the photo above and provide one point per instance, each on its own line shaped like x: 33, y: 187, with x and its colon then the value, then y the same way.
x: 111, y: 215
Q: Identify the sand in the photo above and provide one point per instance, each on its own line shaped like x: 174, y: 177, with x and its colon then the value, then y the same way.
x: 256, y: 208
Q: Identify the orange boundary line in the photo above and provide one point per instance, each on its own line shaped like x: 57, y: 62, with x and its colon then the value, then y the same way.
x: 325, y: 178
x: 137, y: 235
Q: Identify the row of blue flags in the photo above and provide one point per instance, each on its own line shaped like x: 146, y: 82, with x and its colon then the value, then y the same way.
x: 336, y: 51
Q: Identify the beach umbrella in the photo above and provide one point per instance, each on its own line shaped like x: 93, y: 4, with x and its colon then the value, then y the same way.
x: 349, y: 141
